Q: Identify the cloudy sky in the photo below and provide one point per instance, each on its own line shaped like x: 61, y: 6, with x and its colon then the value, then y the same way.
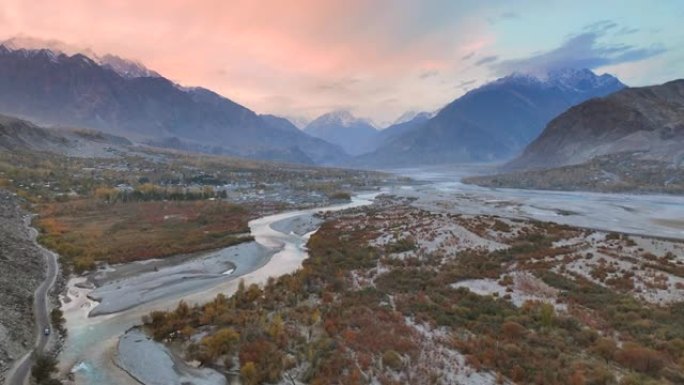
x: 376, y: 58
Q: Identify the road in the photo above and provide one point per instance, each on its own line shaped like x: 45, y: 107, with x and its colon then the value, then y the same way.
x: 21, y: 370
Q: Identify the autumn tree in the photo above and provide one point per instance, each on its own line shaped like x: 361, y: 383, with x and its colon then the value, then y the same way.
x: 249, y: 374
x: 266, y: 357
x: 107, y: 194
x: 220, y: 343
x: 577, y: 378
x: 276, y: 330
x: 640, y: 358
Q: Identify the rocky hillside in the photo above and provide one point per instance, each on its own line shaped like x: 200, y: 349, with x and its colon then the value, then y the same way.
x: 112, y: 95
x: 495, y: 121
x: 632, y: 140
x: 647, y: 120
x: 21, y: 135
x: 21, y: 273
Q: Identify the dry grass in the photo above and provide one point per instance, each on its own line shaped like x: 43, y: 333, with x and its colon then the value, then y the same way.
x: 86, y: 231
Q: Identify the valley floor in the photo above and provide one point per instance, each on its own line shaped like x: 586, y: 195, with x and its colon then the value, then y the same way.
x: 433, y: 283
x: 620, y: 173
x: 400, y: 293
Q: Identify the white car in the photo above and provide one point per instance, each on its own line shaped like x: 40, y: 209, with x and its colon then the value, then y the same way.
x: 46, y: 331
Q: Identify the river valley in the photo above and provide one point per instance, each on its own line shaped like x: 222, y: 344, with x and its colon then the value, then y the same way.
x: 90, y: 352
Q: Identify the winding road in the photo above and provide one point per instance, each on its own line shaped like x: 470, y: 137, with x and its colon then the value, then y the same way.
x: 20, y: 372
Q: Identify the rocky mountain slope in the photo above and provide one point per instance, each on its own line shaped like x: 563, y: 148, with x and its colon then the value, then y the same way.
x: 632, y: 140
x: 54, y: 88
x: 648, y: 120
x: 495, y: 121
x: 22, y: 271
x: 20, y: 135
x: 279, y: 123
x: 404, y: 125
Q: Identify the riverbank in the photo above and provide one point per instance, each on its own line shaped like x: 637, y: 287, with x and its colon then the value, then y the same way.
x: 299, y: 225
x: 152, y: 363
x: 87, y: 355
x: 138, y: 288
x: 405, y: 295
x: 121, y: 287
x: 645, y: 215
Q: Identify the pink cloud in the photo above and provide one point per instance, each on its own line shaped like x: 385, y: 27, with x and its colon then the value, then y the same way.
x: 264, y: 53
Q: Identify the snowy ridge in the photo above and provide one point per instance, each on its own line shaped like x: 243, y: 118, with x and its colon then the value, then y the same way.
x: 57, y: 50
x: 342, y: 118
x: 127, y: 68
x: 578, y: 80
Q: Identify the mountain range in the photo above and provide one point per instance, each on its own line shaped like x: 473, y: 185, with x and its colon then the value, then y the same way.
x: 630, y: 140
x: 355, y: 135
x: 116, y: 96
x: 358, y: 136
x: 493, y: 122
x: 646, y: 120
x: 60, y: 86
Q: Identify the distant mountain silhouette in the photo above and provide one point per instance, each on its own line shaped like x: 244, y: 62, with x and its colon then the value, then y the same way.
x: 117, y: 96
x: 647, y: 120
x: 629, y: 141
x: 493, y: 122
x: 356, y: 136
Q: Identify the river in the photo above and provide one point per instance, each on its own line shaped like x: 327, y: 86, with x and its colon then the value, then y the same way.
x: 640, y: 214
x: 90, y: 347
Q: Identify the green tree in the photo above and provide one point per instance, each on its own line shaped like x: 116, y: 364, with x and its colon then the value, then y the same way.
x: 43, y: 368
x: 547, y: 315
x: 57, y: 319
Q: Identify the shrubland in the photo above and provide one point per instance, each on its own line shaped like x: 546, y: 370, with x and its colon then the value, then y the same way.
x: 360, y: 311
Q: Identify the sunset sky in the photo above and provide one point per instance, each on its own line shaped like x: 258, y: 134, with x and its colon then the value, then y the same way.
x: 376, y: 58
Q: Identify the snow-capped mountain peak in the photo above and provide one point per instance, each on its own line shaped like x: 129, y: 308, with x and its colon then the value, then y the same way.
x: 567, y: 79
x: 127, y: 68
x: 28, y: 43
x: 354, y: 135
x: 342, y: 118
x: 582, y: 79
x: 55, y: 48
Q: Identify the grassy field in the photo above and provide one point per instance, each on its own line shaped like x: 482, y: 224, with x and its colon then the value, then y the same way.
x: 149, y: 204
x: 86, y: 231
